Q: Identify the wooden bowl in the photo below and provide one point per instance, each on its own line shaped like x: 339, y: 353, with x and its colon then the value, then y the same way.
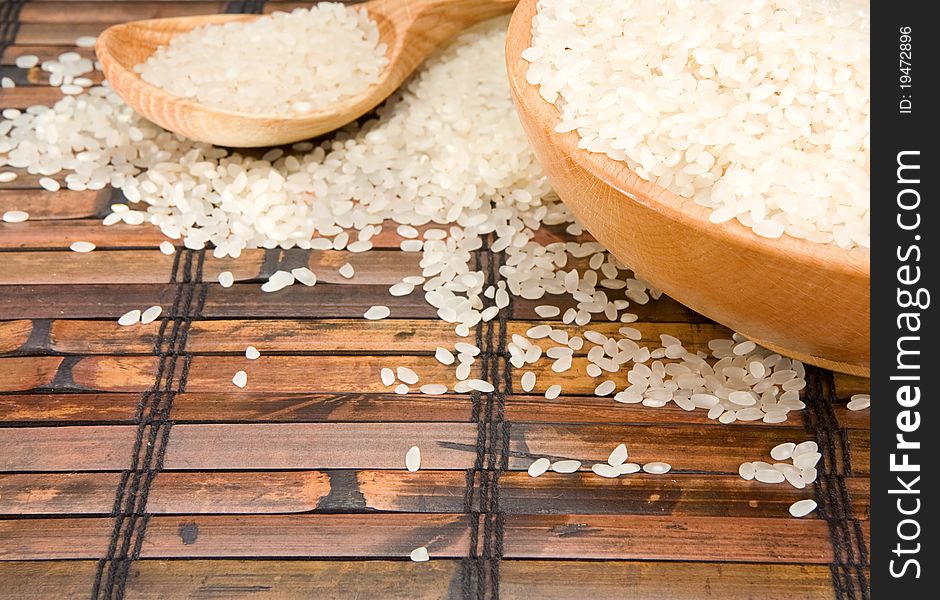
x: 807, y: 301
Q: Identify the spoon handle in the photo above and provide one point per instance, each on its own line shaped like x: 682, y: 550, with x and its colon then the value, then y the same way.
x: 444, y: 18
x: 470, y: 11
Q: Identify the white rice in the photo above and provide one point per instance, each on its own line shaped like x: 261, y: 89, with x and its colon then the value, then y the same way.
x: 859, y: 402
x: 377, y: 312
x: 566, y: 466
x: 278, y: 281
x: 783, y: 451
x: 281, y: 63
x: 420, y: 555
x: 605, y: 470
x: 252, y: 353
x: 407, y: 375
x: 81, y: 247
x: 305, y: 276
x: 26, y: 61
x: 433, y: 388
x: 758, y: 111
x: 347, y: 271
x: 801, y: 508
x: 538, y: 467
x: 413, y: 459
x: 618, y: 456
x: 240, y: 379
x: 15, y: 216
x: 226, y: 279
x: 657, y: 468
x: 151, y: 314
x: 131, y: 317
x: 528, y: 381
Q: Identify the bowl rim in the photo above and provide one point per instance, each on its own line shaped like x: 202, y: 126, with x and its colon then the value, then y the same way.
x: 618, y: 175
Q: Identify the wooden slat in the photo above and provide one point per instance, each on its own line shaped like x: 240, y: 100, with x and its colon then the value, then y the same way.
x: 173, y: 492
x: 42, y: 207
x: 53, y: 235
x: 103, y: 301
x: 57, y: 34
x: 389, y: 535
x: 394, y: 535
x: 43, y: 51
x: 352, y: 407
x: 260, y: 446
x: 41, y: 234
x: 214, y: 373
x: 112, y: 12
x: 98, y: 301
x: 236, y: 580
x: 435, y: 580
x: 247, y: 406
x: 296, y: 335
x: 14, y: 335
x: 392, y: 336
x: 377, y: 267
x: 568, y: 580
x: 141, y: 266
x: 36, y: 76
x: 66, y: 204
x: 24, y: 97
x: 176, y: 492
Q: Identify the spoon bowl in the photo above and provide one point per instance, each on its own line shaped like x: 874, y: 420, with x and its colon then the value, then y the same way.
x: 807, y: 301
x: 411, y: 29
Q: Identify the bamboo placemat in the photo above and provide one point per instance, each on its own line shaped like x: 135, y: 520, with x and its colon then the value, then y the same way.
x: 131, y: 467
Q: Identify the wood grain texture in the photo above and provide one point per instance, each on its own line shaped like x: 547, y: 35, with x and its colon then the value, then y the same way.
x: 152, y: 266
x: 411, y: 29
x: 83, y: 11
x: 330, y: 374
x: 106, y: 301
x: 394, y: 535
x: 270, y: 407
x: 269, y: 492
x: 24, y: 97
x: 262, y: 446
x: 302, y: 472
x: 388, y: 336
x: 436, y: 580
x: 44, y: 230
x: 68, y: 205
x: 43, y: 51
x: 811, y: 300
x: 56, y: 34
x: 392, y: 336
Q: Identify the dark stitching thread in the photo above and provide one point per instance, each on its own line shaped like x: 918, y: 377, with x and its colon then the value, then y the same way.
x: 850, y: 555
x: 9, y: 23
x: 481, y: 568
x: 129, y: 509
x: 469, y: 571
x: 245, y: 6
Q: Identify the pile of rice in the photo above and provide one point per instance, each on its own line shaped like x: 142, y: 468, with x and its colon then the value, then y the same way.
x: 446, y: 150
x: 758, y: 110
x: 282, y: 63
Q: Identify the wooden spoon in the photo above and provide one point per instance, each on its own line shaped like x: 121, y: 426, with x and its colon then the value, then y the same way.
x: 808, y: 301
x: 412, y: 30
